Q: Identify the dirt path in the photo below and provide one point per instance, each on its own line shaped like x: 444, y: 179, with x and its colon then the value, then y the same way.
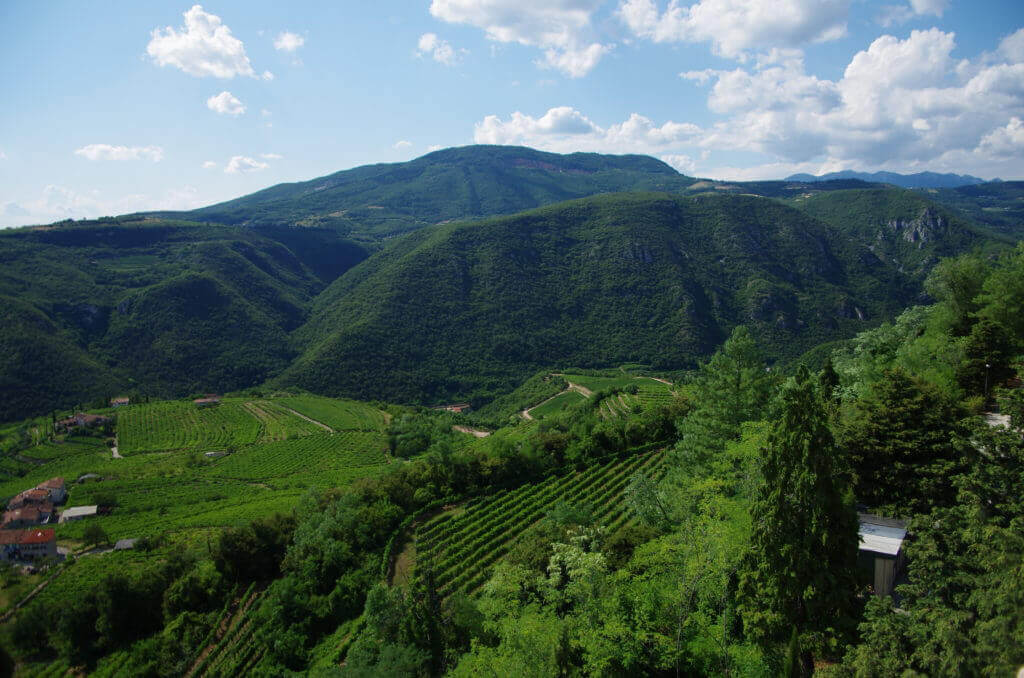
x: 579, y: 389
x: 664, y: 381
x: 525, y: 414
x: 471, y: 431
x: 300, y: 415
x: 114, y: 452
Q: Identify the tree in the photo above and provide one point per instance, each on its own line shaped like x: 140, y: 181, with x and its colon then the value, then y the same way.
x: 95, y: 535
x: 800, y: 570
x: 899, y: 438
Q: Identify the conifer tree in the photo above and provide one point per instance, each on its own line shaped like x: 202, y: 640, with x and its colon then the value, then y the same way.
x: 800, y: 570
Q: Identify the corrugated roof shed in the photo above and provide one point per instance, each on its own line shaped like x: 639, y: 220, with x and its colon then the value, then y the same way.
x: 881, y: 535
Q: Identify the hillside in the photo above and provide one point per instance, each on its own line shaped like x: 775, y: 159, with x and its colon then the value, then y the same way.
x: 379, y: 201
x: 462, y: 310
x: 157, y: 307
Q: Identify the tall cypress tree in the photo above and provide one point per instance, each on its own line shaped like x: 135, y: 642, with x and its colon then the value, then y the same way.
x: 800, y: 571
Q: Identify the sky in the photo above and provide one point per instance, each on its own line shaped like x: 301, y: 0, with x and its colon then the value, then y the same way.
x: 123, y: 106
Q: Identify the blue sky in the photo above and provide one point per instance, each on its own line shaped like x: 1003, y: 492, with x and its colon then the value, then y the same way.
x: 123, y: 106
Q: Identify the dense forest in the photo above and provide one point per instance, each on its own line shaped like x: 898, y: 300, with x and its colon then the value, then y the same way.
x: 741, y: 559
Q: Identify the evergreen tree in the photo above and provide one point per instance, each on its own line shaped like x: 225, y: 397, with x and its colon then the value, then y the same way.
x: 800, y: 570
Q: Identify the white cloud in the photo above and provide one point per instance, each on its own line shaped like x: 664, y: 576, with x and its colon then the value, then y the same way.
x: 562, y: 29
x: 108, y: 152
x: 288, y: 42
x: 437, y: 49
x: 209, y: 164
x: 434, y: 147
x: 225, y: 103
x: 204, y: 46
x: 564, y: 129
x: 734, y: 27
x: 271, y: 156
x: 1011, y: 47
x: 402, y: 144
x: 900, y: 104
x: 242, y: 164
x: 933, y: 7
x: 3, y: 156
x: 1005, y: 142
x: 681, y: 162
x: 60, y: 202
x: 267, y: 75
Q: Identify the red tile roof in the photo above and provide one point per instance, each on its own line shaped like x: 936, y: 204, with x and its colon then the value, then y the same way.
x: 26, y: 536
x: 52, y: 484
x: 29, y: 513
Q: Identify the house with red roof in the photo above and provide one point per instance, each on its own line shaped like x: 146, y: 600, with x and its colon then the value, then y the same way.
x: 22, y: 517
x: 55, y: 488
x: 28, y: 544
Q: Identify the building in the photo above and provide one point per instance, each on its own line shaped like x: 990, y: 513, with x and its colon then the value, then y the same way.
x: 28, y: 544
x: 77, y: 513
x: 881, y: 556
x: 208, y: 401
x: 119, y: 402
x: 55, y: 488
x: 22, y: 517
x: 125, y: 544
x: 457, y: 408
x: 81, y: 419
x: 33, y: 497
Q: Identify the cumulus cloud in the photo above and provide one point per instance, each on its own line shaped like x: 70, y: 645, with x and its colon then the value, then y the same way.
x: 1005, y: 142
x: 897, y: 14
x: 565, y: 129
x: 202, y: 47
x: 562, y: 29
x: 225, y: 103
x: 60, y: 202
x: 437, y: 49
x: 288, y: 42
x: 240, y: 164
x: 899, y: 103
x: 1011, y: 47
x: 109, y: 152
x: 733, y: 27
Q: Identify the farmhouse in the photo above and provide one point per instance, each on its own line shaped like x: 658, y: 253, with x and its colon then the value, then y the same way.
x: 881, y: 550
x: 55, y: 488
x: 33, y: 497
x: 26, y: 517
x: 119, y: 402
x: 81, y: 419
x: 28, y: 544
x: 78, y: 512
x: 457, y: 408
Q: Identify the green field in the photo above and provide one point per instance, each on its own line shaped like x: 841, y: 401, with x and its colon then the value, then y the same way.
x: 340, y: 415
x: 179, y: 424
x: 559, y: 403
x: 464, y: 545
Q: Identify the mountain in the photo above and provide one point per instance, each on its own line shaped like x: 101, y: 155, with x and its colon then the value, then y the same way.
x: 919, y: 180
x: 158, y: 307
x: 376, y: 202
x: 998, y: 205
x: 463, y: 310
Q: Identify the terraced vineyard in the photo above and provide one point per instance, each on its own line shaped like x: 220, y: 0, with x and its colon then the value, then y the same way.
x: 340, y: 415
x: 464, y: 545
x: 178, y: 424
x: 236, y: 652
x: 559, y: 403
x: 322, y: 458
x: 278, y: 422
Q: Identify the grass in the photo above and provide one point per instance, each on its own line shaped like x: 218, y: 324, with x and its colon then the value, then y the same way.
x: 340, y: 415
x: 558, y: 404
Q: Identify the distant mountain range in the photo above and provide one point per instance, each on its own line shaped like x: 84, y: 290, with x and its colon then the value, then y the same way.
x: 919, y: 180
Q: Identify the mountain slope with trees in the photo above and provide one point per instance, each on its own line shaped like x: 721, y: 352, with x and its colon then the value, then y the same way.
x: 466, y: 309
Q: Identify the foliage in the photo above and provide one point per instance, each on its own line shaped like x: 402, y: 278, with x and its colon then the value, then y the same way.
x: 800, y: 570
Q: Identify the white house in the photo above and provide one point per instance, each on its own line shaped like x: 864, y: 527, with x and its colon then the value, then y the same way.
x: 77, y: 513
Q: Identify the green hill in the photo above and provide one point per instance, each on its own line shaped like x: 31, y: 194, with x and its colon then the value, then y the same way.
x: 462, y: 310
x: 380, y: 201
x: 152, y: 306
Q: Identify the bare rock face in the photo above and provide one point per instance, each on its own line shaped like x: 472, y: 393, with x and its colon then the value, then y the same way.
x: 924, y: 229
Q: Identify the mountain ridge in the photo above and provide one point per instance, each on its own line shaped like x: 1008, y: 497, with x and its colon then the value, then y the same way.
x: 917, y: 180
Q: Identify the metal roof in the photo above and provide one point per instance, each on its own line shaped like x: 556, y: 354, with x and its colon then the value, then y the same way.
x: 881, y: 535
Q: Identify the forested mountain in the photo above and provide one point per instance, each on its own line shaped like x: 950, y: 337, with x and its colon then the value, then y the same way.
x: 466, y: 309
x: 917, y: 180
x: 163, y: 306
x: 152, y: 306
x: 380, y: 201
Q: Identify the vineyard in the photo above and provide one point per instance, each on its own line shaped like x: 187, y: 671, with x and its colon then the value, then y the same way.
x: 463, y: 545
x: 340, y: 415
x: 177, y: 425
x: 320, y: 459
x: 559, y: 403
